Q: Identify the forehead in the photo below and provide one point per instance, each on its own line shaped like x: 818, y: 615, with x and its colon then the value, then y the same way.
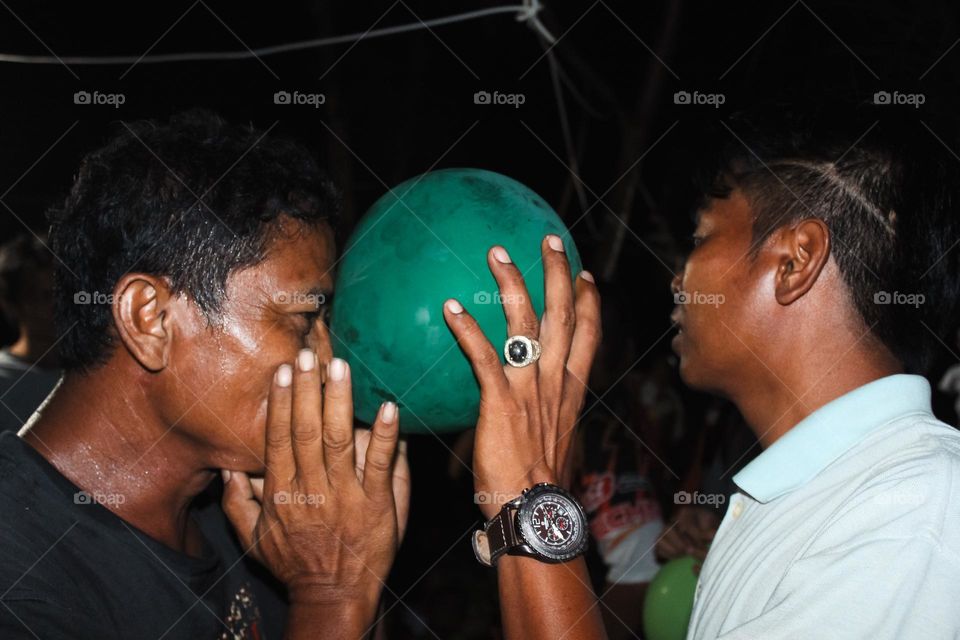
x: 299, y: 258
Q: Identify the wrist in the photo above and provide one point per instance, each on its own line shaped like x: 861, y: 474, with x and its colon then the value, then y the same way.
x: 348, y: 619
x: 491, y: 496
x: 324, y: 593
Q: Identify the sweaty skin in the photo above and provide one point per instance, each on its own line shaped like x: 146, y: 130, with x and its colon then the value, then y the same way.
x: 181, y: 398
x: 775, y: 334
x: 164, y: 425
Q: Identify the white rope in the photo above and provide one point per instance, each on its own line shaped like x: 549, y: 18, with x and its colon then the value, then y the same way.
x: 529, y: 15
x: 527, y: 12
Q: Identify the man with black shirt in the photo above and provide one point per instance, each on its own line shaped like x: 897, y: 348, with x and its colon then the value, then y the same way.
x: 194, y: 265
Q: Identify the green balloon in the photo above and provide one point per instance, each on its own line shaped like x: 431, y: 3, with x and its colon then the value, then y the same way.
x: 669, y: 601
x: 424, y: 242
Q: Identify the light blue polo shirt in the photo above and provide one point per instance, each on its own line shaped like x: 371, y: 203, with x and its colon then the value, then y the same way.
x: 848, y: 526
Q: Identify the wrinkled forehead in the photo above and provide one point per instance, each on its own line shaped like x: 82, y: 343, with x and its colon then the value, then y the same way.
x: 299, y: 264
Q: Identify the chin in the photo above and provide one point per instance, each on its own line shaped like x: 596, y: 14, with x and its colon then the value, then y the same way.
x: 691, y: 374
x: 685, y: 374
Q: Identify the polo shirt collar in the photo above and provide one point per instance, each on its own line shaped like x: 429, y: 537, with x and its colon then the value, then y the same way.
x: 827, y: 433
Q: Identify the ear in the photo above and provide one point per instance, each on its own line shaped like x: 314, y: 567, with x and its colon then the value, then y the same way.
x: 142, y: 320
x: 805, y: 251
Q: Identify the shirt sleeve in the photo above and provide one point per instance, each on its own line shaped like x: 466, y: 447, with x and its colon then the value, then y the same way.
x: 882, y: 588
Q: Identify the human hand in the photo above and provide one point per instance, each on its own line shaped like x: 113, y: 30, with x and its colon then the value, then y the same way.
x: 323, y: 529
x: 527, y: 415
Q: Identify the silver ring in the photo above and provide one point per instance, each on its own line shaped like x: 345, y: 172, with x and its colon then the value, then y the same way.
x: 521, y: 351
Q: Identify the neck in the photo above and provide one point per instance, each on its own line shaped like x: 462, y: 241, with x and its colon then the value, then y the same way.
x: 777, y: 400
x: 117, y: 448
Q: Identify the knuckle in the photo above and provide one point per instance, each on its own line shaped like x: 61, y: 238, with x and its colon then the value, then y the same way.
x: 334, y: 443
x: 379, y: 461
x: 565, y: 317
x: 488, y: 358
x: 472, y: 330
x: 306, y: 434
x: 279, y: 440
x: 592, y: 332
x: 529, y: 326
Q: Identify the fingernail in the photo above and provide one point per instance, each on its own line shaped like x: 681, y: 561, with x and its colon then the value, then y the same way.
x: 226, y: 475
x: 586, y: 275
x: 284, y: 375
x: 555, y: 243
x: 453, y: 306
x: 501, y: 255
x: 338, y: 369
x: 389, y: 412
x: 307, y: 360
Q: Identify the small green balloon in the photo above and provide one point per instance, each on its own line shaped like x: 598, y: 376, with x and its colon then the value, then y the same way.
x: 424, y: 242
x: 669, y: 601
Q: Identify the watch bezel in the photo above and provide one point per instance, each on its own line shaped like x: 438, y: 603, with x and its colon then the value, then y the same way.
x: 529, y: 538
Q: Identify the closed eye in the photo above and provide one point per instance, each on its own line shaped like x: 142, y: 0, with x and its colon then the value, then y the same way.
x: 323, y: 311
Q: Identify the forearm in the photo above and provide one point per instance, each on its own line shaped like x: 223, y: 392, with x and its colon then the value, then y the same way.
x: 547, y: 601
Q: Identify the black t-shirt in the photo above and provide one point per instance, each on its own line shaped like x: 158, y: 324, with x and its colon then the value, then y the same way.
x: 72, y: 569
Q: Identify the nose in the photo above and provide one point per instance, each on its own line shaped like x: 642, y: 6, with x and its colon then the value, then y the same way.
x: 676, y: 284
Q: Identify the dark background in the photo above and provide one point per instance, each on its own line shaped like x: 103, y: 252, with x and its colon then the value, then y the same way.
x: 399, y: 105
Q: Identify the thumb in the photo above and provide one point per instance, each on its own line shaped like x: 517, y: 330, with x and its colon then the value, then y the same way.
x: 240, y: 505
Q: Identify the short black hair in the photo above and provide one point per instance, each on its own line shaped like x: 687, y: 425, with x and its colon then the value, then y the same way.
x: 888, y: 190
x: 20, y: 258
x: 192, y: 199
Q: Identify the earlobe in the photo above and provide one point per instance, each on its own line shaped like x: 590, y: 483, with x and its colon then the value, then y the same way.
x: 806, y: 251
x: 141, y: 319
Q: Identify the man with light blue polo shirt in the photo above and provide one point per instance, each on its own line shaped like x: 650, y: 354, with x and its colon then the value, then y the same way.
x: 831, y: 251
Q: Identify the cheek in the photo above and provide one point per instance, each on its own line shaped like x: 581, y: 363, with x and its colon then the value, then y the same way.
x: 229, y: 373
x: 716, y: 291
x: 706, y: 286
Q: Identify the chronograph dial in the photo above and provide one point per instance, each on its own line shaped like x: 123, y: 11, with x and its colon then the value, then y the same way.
x: 552, y: 522
x: 544, y: 522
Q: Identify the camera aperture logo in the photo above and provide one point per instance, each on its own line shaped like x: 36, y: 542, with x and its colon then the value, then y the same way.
x: 895, y: 297
x: 299, y: 297
x: 495, y: 297
x: 94, y: 297
x: 98, y: 98
x: 697, y: 98
x: 298, y: 98
x: 492, y: 497
x: 105, y: 499
x: 697, y: 498
x: 899, y: 99
x: 698, y: 297
x: 295, y: 497
x: 512, y: 99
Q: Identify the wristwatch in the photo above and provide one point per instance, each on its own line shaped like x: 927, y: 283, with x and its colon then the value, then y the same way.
x: 544, y: 522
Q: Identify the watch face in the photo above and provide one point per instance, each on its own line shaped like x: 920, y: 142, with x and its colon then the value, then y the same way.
x: 553, y: 524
